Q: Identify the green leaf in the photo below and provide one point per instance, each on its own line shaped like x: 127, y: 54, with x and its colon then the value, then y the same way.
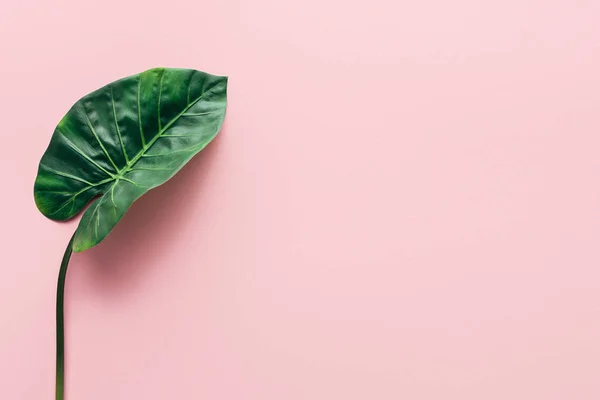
x: 122, y: 140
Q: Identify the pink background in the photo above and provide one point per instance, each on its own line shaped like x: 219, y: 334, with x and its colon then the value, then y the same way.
x: 404, y: 203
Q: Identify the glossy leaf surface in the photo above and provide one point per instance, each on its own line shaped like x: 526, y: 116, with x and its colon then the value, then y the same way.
x: 122, y: 140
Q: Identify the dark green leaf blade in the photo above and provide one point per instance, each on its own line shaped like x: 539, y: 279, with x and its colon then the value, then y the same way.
x: 123, y: 140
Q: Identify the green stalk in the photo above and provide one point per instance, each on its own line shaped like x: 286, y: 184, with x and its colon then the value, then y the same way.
x: 60, y: 323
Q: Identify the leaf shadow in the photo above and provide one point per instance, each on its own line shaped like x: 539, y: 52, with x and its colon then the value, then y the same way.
x: 138, y: 243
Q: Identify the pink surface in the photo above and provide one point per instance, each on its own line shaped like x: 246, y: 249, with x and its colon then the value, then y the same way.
x: 404, y: 203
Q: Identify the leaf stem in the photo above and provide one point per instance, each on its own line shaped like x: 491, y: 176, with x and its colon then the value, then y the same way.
x: 60, y: 323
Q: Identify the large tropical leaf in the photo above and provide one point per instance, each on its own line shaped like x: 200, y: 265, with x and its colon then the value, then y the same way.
x: 122, y: 140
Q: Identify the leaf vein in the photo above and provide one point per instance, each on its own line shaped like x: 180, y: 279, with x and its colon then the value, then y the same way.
x: 89, y: 124
x: 140, y: 112
x: 64, y: 174
x: 112, y: 100
x: 81, y: 153
x: 199, y: 114
x: 160, y: 86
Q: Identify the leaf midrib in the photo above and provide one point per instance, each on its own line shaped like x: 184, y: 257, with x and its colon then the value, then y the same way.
x: 160, y: 133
